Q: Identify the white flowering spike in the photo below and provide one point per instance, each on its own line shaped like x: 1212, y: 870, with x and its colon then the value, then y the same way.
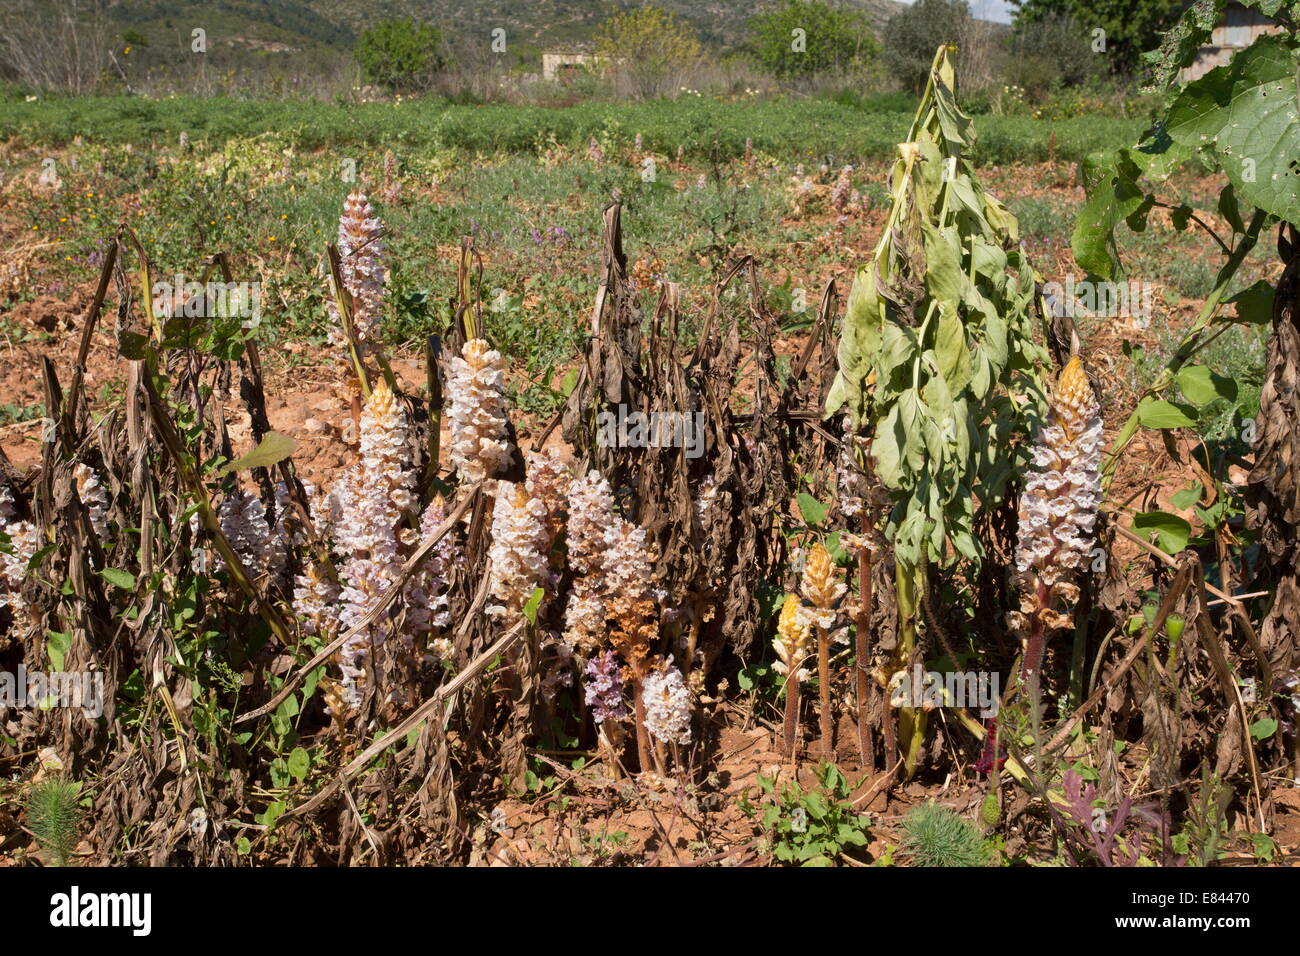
x: 1058, y: 507
x: 315, y: 601
x: 361, y: 264
x: 821, y: 587
x: 548, y: 481
x: 24, y: 542
x: 371, y: 502
x: 518, y: 551
x: 94, y: 497
x: 667, y: 705
x: 1058, y: 511
x: 243, y: 522
x: 842, y: 191
x: 480, y: 445
x: 427, y: 609
x: 591, y: 514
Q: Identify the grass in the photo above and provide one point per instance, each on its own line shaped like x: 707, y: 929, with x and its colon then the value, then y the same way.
x: 821, y: 129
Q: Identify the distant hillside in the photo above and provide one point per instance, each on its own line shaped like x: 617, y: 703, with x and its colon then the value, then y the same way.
x: 321, y: 26
x: 557, y: 22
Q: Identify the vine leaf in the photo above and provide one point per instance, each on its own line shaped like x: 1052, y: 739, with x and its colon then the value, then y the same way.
x: 1247, y: 116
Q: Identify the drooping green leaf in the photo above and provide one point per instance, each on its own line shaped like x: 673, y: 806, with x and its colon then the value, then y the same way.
x: 1157, y: 413
x: 271, y: 450
x: 533, y: 604
x: 1254, y: 303
x: 1171, y: 531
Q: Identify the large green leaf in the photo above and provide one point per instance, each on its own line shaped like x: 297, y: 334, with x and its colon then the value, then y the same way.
x: 1157, y: 413
x: 1172, y: 532
x: 271, y: 450
x: 1201, y: 386
x: 1246, y: 115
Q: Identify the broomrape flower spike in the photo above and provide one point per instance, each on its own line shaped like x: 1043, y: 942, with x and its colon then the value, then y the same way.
x: 367, y: 510
x: 591, y: 514
x: 93, y: 496
x: 823, y: 592
x: 1058, y: 510
x: 361, y: 263
x: 793, y: 633
x: 519, y: 551
x: 24, y: 542
x: 667, y: 705
x: 480, y: 443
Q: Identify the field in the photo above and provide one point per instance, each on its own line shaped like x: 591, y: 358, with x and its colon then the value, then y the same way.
x: 247, y: 723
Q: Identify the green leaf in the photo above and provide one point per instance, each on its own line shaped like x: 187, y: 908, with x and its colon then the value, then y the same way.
x: 1188, y: 496
x: 813, y: 511
x: 1157, y: 413
x: 1201, y: 386
x: 299, y: 763
x: 1113, y: 196
x: 1254, y: 304
x: 271, y: 450
x: 57, y: 644
x: 534, y: 602
x: 1171, y: 531
x: 1244, y: 114
x: 119, y: 579
x: 132, y: 345
x: 1263, y: 728
x: 952, y: 352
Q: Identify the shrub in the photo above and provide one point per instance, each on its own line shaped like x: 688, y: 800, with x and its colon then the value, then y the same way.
x: 833, y: 39
x: 647, y: 49
x: 912, y: 34
x: 400, y: 54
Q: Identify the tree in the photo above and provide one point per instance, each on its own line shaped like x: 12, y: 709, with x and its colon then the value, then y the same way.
x: 400, y: 54
x: 1129, y: 27
x: 805, y: 37
x: 1054, y: 50
x: 58, y: 45
x: 912, y: 34
x: 647, y: 49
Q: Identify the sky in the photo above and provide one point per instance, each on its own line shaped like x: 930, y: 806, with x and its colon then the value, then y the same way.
x: 999, y: 10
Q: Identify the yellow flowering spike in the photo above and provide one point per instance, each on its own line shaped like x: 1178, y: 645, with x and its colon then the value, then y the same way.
x: 819, y: 586
x: 793, y: 631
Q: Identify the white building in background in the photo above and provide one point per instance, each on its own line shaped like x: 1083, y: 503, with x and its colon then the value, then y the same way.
x: 1239, y: 31
x: 563, y: 66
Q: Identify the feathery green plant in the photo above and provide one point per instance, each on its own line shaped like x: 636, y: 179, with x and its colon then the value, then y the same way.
x: 936, y: 836
x: 53, y: 816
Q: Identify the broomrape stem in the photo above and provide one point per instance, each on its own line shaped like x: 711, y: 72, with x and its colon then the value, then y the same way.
x: 790, y: 728
x: 643, y: 749
x: 824, y: 689
x: 863, y: 652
